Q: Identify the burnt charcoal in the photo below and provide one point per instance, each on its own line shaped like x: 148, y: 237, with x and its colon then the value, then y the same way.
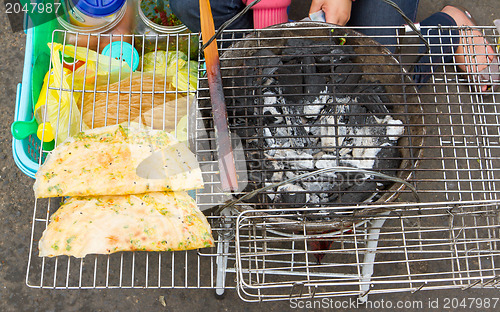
x: 344, y: 68
x: 374, y: 104
x: 263, y: 58
x: 377, y: 109
x: 241, y: 108
x: 308, y: 65
x: 356, y: 115
x: 268, y: 167
x: 358, y: 192
x: 338, y: 189
x: 269, y: 118
x: 340, y: 74
x: 245, y: 133
x: 388, y: 158
x: 299, y: 138
x: 366, y: 86
x: 377, y: 88
x: 337, y: 79
x: 274, y: 114
x: 298, y: 47
x: 256, y: 71
x: 291, y: 85
x: 313, y: 84
x: 243, y: 129
x: 330, y: 108
x: 325, y: 68
x: 266, y: 62
x: 297, y: 96
x: 353, y: 79
x: 237, y: 86
x: 266, y: 57
x: 338, y: 54
x: 350, y: 82
x: 294, y: 200
x: 254, y: 161
x: 292, y: 108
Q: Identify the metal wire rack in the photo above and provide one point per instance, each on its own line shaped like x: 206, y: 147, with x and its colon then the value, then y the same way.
x: 450, y: 155
x: 130, y: 94
x: 377, y: 247
x: 410, y: 247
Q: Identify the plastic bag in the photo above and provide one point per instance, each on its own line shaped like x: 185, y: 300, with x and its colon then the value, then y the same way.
x: 181, y: 72
x: 63, y: 85
x: 144, y: 98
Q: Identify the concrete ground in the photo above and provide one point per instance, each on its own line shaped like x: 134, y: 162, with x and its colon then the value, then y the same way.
x: 16, y: 208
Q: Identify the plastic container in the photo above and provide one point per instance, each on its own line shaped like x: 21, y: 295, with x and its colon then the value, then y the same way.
x: 85, y: 13
x: 115, y: 27
x: 183, y: 42
x: 146, y: 10
x: 269, y: 12
x: 26, y: 153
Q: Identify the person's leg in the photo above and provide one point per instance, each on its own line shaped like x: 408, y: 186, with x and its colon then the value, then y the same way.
x: 188, y: 11
x: 468, y: 49
x: 473, y: 53
x: 376, y: 13
x: 443, y: 41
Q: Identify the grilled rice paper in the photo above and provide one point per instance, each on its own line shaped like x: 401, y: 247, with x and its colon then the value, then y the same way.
x: 158, y: 221
x: 118, y: 160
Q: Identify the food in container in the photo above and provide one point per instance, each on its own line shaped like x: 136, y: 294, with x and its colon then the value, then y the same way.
x: 85, y: 20
x: 153, y: 21
x: 159, y: 12
x: 85, y: 13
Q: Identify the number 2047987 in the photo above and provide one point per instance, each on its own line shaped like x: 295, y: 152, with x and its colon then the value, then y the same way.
x: 470, y: 303
x: 16, y: 7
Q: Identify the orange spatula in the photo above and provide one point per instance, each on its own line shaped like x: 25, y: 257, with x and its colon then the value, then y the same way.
x: 227, y: 168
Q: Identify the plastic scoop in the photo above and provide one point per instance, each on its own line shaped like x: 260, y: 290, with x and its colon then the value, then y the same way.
x: 23, y: 129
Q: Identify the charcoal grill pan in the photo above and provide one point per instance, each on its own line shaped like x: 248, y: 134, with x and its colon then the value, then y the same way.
x: 377, y: 64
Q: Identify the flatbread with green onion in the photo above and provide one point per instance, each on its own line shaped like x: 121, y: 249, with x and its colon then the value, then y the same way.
x: 118, y: 160
x: 158, y: 221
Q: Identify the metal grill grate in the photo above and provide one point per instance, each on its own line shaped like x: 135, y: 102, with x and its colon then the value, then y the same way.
x: 451, y: 160
x: 458, y: 161
x: 412, y: 248
x: 449, y: 241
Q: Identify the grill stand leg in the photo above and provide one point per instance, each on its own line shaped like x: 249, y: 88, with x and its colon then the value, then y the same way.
x: 369, y: 258
x: 222, y: 253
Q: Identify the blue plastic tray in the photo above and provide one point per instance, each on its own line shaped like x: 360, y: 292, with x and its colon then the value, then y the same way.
x: 26, y: 152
